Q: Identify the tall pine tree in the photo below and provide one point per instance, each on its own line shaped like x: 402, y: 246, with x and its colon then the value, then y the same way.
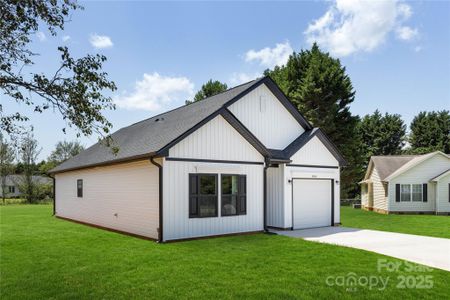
x: 381, y: 135
x: 430, y: 131
x: 317, y: 84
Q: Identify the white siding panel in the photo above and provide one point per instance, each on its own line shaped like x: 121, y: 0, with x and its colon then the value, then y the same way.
x: 305, y: 172
x: 379, y: 198
x: 178, y: 225
x: 419, y: 174
x: 272, y: 123
x: 275, y: 197
x: 128, y: 190
x: 442, y: 187
x: 218, y: 140
x: 314, y: 153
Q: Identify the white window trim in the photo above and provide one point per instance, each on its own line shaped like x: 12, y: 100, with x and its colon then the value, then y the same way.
x: 411, y: 191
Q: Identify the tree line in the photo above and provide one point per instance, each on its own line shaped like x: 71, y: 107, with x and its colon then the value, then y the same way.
x: 23, y: 161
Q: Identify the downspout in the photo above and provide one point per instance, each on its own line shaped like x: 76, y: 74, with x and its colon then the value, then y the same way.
x: 160, y: 171
x: 54, y: 194
x: 266, y: 166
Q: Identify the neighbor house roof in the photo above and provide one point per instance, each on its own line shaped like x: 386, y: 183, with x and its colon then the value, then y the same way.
x: 18, y: 179
x: 390, y: 166
x: 414, y: 162
x: 441, y: 175
x: 386, y: 165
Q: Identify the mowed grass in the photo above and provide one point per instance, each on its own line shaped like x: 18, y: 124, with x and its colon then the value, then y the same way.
x: 44, y: 257
x: 430, y: 225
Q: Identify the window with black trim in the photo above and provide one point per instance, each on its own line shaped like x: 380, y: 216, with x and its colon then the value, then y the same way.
x: 80, y: 188
x: 203, y: 195
x: 234, y: 195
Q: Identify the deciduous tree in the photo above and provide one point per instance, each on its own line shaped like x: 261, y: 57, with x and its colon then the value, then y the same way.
x: 75, y: 89
x: 209, y: 89
x: 6, y: 163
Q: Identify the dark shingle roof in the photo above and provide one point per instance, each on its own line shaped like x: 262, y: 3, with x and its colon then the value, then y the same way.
x: 144, y: 138
x: 386, y: 165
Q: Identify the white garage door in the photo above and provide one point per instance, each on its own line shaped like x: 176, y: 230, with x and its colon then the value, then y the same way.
x: 312, y: 203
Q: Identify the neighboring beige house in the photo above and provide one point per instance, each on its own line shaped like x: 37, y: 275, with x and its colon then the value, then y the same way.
x: 13, y: 182
x: 407, y: 184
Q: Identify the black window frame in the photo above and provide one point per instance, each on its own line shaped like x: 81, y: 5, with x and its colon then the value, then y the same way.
x: 241, y: 196
x: 11, y: 189
x: 79, y: 188
x: 195, y: 196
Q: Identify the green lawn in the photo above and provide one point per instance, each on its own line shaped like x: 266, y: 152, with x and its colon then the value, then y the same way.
x: 431, y: 225
x: 43, y: 257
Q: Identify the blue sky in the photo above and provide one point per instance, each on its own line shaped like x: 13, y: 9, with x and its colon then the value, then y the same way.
x: 396, y: 53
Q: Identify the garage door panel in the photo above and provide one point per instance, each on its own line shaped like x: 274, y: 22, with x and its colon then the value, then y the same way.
x: 311, y: 203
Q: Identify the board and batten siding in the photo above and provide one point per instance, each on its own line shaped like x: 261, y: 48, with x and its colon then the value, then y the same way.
x: 122, y: 197
x: 275, y: 196
x: 178, y: 225
x: 419, y: 174
x: 442, y: 194
x: 266, y: 117
x: 215, y: 140
x: 314, y: 153
x: 379, y: 193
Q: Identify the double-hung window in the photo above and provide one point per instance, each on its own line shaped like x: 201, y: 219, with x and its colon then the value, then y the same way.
x: 405, y: 192
x: 417, y: 194
x: 411, y: 192
x: 202, y: 195
x: 234, y: 195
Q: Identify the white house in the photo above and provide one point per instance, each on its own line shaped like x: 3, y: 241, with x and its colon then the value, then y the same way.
x: 407, y: 184
x: 240, y: 161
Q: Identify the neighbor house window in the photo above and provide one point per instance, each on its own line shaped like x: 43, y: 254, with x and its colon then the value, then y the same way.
x: 80, y: 188
x: 234, y: 195
x: 412, y: 192
x: 202, y: 195
x: 405, y: 192
x: 11, y: 189
x: 417, y: 192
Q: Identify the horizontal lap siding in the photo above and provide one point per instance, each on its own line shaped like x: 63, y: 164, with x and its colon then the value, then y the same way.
x: 379, y: 198
x: 128, y: 190
x: 274, y: 126
x: 178, y: 225
x: 275, y: 197
x: 419, y: 174
x: 442, y: 194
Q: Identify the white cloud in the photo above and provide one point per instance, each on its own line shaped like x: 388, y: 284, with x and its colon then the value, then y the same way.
x: 155, y: 93
x: 270, y: 57
x: 239, y: 78
x: 352, y: 26
x: 41, y: 36
x: 65, y: 38
x: 100, y: 41
x: 406, y: 33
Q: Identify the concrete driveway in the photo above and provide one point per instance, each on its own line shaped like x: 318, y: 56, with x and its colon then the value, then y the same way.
x: 430, y: 251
